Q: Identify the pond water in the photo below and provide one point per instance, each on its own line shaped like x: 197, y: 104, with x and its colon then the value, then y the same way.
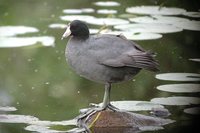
x: 38, y: 90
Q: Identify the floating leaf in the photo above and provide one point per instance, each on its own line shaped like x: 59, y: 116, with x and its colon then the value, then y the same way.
x: 42, y: 129
x: 7, y: 108
x: 155, y: 10
x: 107, y: 21
x: 154, y: 28
x: 76, y: 17
x: 107, y: 3
x: 137, y: 36
x: 192, y: 14
x: 106, y: 11
x: 179, y: 76
x: 195, y: 59
x: 192, y: 111
x: 135, y: 105
x: 178, y: 100
x: 180, y: 88
x: 189, y: 25
x: 182, y: 23
x: 15, y: 30
x: 78, y: 11
x: 58, y: 26
x: 8, y: 42
x: 17, y: 119
x: 158, y: 19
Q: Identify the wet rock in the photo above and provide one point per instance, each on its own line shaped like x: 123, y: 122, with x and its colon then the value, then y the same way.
x: 109, y: 121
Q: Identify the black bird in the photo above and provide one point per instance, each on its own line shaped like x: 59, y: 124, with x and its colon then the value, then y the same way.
x: 105, y: 58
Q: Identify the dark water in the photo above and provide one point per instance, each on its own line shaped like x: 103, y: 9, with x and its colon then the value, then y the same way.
x: 38, y: 82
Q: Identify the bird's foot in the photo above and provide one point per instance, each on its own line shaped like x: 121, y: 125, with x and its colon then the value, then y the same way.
x: 86, y: 114
x: 108, y: 106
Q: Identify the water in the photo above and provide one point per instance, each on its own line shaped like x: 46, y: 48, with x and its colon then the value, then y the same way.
x: 35, y: 79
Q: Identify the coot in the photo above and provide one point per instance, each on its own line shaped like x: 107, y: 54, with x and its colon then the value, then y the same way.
x: 105, y: 58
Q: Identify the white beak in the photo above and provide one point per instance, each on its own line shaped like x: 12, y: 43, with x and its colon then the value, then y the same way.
x: 67, y: 33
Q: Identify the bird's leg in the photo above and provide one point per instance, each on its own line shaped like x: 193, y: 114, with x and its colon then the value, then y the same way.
x: 106, y: 100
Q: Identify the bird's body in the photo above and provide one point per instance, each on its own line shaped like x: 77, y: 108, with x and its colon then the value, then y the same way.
x: 105, y: 58
x: 95, y: 58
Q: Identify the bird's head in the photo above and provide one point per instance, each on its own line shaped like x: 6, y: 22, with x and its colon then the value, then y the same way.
x: 76, y: 29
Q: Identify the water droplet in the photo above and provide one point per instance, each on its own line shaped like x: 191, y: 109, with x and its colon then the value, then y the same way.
x: 47, y: 83
x: 36, y: 70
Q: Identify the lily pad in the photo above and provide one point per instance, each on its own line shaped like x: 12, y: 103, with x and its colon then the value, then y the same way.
x: 136, y: 36
x: 106, y: 11
x: 17, y: 118
x: 42, y: 129
x: 15, y: 30
x: 78, y: 11
x: 180, y: 88
x: 176, y: 100
x: 107, y: 21
x: 8, y: 42
x: 179, y: 22
x: 154, y: 28
x: 158, y: 19
x: 75, y: 17
x: 192, y: 14
x: 7, y: 108
x: 58, y: 26
x: 107, y: 3
x: 192, y: 111
x: 189, y: 25
x: 179, y: 76
x: 135, y: 105
x: 195, y: 59
x: 157, y: 10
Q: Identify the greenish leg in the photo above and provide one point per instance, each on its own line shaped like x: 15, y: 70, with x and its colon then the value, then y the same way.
x: 106, y: 98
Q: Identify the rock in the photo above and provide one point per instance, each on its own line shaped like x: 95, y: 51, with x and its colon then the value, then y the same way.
x: 120, y: 121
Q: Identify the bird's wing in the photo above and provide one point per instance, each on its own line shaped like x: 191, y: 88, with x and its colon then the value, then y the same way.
x: 139, y: 60
x: 126, y: 53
